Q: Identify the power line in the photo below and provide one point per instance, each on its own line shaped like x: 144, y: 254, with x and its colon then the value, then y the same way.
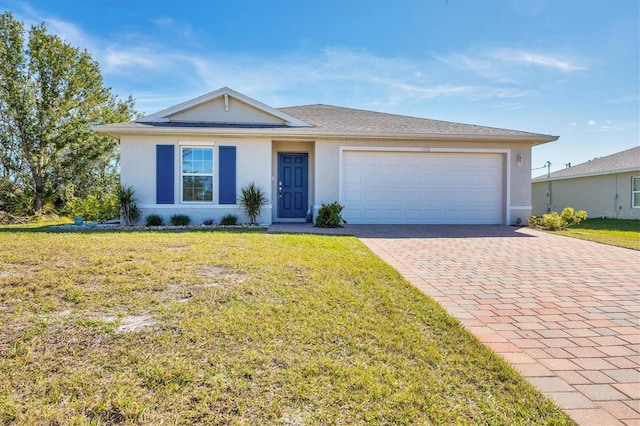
x: 547, y: 164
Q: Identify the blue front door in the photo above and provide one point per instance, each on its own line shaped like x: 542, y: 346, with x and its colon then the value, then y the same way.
x: 293, y: 184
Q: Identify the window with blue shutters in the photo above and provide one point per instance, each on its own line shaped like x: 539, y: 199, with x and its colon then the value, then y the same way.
x: 197, y: 174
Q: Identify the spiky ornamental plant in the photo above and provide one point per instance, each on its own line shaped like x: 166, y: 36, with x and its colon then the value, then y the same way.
x: 128, y: 205
x: 252, y: 197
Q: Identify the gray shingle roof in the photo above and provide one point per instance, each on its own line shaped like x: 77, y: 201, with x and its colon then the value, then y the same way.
x: 340, y: 119
x: 334, y: 121
x: 627, y: 160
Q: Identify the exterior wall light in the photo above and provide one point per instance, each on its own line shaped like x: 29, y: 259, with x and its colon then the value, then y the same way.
x: 520, y: 159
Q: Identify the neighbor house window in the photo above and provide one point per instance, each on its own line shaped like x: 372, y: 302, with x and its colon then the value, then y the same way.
x: 635, y: 191
x: 197, y: 174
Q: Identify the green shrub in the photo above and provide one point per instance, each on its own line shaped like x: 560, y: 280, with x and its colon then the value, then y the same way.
x: 207, y: 222
x: 229, y: 220
x: 555, y: 222
x: 535, y: 222
x: 251, y: 199
x: 94, y: 208
x: 154, y: 220
x: 180, y: 220
x: 329, y: 216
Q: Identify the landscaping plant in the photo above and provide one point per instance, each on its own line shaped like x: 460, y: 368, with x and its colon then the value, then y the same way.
x: 329, y: 216
x: 252, y: 197
x: 154, y: 220
x: 128, y: 205
x: 229, y: 220
x: 180, y: 220
x: 554, y: 221
x: 92, y: 207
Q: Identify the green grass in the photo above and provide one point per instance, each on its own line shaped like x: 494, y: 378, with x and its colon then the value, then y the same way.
x: 615, y: 232
x: 222, y: 327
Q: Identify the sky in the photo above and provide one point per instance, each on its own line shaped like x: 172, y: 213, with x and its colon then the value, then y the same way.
x: 568, y: 68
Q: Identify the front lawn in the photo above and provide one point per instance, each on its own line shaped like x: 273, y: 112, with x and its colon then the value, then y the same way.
x: 615, y: 232
x: 222, y: 327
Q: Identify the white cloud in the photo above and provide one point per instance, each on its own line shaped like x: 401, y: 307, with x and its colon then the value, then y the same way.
x: 118, y: 60
x: 335, y: 73
x: 68, y: 31
x: 480, y: 64
x: 615, y: 125
x: 489, y: 63
x: 533, y: 58
x: 136, y: 61
x: 509, y: 106
x: 591, y: 123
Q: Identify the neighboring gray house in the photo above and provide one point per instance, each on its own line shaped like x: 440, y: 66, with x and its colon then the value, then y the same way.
x: 604, y: 187
x: 195, y: 157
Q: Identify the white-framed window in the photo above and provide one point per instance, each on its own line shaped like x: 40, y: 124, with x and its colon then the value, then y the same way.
x: 635, y: 192
x: 197, y: 174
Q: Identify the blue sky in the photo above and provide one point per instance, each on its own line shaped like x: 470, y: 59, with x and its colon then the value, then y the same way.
x: 564, y: 67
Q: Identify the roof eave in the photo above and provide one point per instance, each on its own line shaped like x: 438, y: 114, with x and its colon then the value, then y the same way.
x: 117, y: 131
x: 582, y: 175
x: 107, y: 130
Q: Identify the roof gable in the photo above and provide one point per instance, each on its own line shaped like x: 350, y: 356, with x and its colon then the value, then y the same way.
x: 224, y: 106
x: 620, y: 162
x: 227, y: 112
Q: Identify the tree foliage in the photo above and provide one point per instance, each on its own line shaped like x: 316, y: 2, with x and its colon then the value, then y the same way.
x: 50, y: 95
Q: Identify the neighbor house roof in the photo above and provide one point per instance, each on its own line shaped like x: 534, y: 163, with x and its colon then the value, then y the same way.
x: 620, y: 162
x: 312, y: 121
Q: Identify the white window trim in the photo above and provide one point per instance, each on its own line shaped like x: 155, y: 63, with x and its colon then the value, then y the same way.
x: 197, y: 144
x: 212, y: 174
x: 634, y: 192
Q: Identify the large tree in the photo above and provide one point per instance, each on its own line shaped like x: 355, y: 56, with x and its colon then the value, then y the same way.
x: 50, y: 95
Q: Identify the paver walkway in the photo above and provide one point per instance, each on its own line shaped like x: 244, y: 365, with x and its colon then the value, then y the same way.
x: 564, y: 312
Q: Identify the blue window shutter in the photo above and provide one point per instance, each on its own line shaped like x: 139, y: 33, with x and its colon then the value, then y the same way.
x: 227, y: 174
x: 164, y: 174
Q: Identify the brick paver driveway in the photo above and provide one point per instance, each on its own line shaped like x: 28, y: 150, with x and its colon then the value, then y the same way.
x: 564, y: 312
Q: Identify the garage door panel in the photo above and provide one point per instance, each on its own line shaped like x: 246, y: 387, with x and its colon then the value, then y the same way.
x: 352, y: 197
x: 372, y: 215
x: 373, y: 196
x: 416, y: 187
x: 393, y: 214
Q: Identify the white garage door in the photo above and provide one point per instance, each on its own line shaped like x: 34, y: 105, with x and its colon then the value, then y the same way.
x: 422, y: 188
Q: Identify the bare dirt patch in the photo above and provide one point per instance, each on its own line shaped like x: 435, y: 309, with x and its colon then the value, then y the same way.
x: 217, y: 275
x: 135, y: 323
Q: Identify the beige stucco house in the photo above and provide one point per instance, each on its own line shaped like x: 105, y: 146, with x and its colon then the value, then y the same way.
x: 195, y: 157
x: 604, y: 187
